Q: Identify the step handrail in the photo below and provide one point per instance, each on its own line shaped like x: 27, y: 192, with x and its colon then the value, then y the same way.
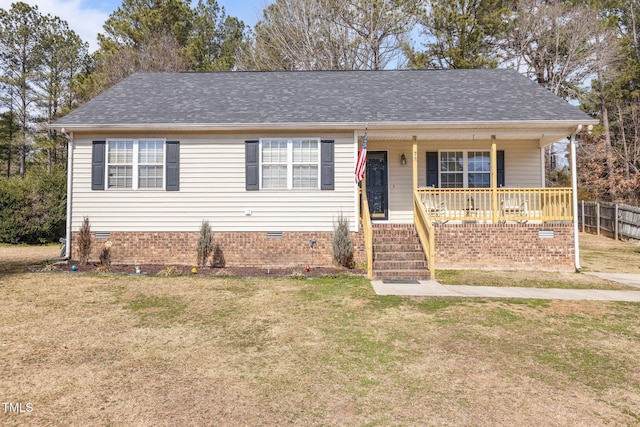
x: 367, y: 230
x: 426, y: 233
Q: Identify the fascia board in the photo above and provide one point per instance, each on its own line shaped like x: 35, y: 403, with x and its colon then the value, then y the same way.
x: 424, y: 126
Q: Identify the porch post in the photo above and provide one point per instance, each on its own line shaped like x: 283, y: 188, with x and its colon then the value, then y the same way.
x: 415, y: 163
x: 494, y: 179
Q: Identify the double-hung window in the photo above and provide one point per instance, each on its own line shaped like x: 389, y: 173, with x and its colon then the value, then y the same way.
x: 465, y: 169
x: 120, y: 164
x: 135, y: 164
x: 290, y: 164
x: 150, y: 164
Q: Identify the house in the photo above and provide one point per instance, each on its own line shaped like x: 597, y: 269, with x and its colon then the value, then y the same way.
x: 455, y: 168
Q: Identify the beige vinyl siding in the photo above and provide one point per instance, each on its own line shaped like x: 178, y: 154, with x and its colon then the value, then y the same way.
x: 522, y: 167
x: 212, y: 187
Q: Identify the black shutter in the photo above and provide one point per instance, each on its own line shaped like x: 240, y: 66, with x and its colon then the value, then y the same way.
x: 173, y: 165
x: 432, y: 169
x: 326, y: 165
x: 500, y: 167
x: 98, y: 165
x: 251, y: 159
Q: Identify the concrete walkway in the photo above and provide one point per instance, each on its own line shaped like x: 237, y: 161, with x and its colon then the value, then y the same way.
x: 432, y: 288
x: 626, y: 278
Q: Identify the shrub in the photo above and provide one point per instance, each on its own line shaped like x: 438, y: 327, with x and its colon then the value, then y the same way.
x: 84, y: 241
x: 33, y: 209
x: 105, y: 255
x: 296, y: 275
x: 342, y: 243
x: 205, y: 244
x: 169, y: 271
x: 218, y: 257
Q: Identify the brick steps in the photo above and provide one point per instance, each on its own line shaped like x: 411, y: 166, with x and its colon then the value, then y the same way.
x: 397, y: 253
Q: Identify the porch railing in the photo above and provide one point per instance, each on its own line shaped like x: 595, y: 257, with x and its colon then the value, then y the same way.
x: 497, y: 204
x: 426, y: 233
x: 367, y: 230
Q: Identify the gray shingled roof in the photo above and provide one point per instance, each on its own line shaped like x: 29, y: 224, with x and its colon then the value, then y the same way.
x: 323, y: 97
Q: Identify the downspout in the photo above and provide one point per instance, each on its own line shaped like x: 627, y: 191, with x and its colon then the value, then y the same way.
x: 574, y: 190
x: 67, y: 254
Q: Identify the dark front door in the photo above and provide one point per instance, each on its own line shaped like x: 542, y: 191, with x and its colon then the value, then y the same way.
x: 377, y: 185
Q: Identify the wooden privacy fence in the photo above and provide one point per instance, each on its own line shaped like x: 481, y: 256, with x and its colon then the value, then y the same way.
x: 611, y: 219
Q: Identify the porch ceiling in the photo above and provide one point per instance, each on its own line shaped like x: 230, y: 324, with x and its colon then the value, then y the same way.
x: 544, y: 138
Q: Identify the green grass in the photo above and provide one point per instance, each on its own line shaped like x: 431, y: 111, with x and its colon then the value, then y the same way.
x: 157, y: 310
x: 527, y: 279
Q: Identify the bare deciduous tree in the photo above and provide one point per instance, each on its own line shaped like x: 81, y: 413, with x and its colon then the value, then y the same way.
x: 555, y: 43
x: 328, y: 35
x: 158, y: 53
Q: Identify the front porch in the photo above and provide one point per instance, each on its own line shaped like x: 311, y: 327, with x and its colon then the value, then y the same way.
x: 490, y: 227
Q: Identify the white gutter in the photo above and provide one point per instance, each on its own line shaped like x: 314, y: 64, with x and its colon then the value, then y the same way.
x: 512, y: 124
x: 574, y: 188
x: 67, y: 254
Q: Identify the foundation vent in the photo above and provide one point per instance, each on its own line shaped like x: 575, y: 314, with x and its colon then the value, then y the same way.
x: 274, y: 234
x: 546, y: 234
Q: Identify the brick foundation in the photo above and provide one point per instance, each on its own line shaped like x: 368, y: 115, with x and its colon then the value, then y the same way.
x: 239, y: 249
x: 476, y: 246
x: 504, y: 246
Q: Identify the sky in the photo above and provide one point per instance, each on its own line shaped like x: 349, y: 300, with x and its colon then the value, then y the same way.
x: 86, y: 17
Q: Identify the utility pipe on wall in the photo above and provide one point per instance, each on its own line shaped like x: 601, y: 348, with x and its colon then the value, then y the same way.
x: 69, y: 184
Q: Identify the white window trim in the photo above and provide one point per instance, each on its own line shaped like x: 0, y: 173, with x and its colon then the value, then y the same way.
x: 465, y: 164
x: 290, y: 162
x: 136, y: 164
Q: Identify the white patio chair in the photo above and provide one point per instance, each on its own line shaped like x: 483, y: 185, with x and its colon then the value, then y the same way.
x: 514, y: 206
x: 435, y: 207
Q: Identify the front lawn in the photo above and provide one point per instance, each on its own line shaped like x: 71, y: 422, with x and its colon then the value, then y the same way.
x: 130, y: 350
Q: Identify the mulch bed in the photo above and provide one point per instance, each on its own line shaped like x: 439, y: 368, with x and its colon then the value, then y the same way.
x: 175, y: 270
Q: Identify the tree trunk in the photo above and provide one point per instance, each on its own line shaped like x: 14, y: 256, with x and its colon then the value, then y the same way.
x: 634, y: 30
x: 623, y: 138
x: 9, y: 156
x: 607, y: 142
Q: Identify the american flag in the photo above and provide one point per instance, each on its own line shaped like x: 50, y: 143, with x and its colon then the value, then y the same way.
x: 361, y: 164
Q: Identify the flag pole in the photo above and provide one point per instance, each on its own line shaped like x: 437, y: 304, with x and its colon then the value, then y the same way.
x: 364, y: 183
x: 361, y: 168
x: 364, y: 178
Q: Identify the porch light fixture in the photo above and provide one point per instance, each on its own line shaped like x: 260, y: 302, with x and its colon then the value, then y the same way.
x: 403, y: 160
